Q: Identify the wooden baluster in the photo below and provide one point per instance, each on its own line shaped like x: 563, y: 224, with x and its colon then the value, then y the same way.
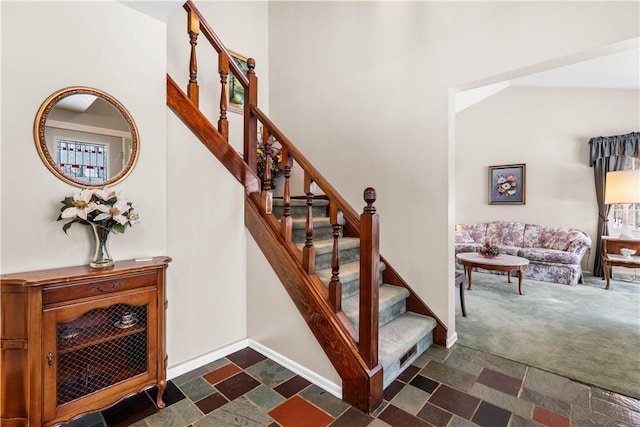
x: 369, y: 274
x: 223, y: 69
x: 193, y: 28
x: 309, y: 252
x: 335, y: 287
x: 250, y: 122
x: 286, y: 221
x: 266, y: 196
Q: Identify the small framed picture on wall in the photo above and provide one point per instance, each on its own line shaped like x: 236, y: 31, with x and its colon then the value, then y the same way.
x: 236, y: 90
x: 507, y: 184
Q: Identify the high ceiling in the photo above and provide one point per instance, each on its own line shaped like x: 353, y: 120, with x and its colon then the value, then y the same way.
x: 616, y: 71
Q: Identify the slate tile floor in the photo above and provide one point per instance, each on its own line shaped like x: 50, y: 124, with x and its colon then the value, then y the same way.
x: 444, y: 387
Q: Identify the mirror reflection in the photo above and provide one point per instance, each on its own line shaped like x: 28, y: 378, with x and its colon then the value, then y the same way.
x: 86, y: 137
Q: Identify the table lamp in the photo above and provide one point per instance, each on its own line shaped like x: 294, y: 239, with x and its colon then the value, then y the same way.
x: 623, y: 187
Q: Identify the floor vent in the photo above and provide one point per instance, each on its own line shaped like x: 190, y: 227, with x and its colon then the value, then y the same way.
x: 408, y: 354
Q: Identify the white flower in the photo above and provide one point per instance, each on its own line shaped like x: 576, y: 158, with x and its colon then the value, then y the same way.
x: 134, y: 217
x: 115, y: 211
x: 506, y: 186
x: 82, y: 205
x: 106, y: 193
x: 501, y: 179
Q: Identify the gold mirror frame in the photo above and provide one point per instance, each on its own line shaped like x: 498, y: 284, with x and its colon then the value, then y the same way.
x: 41, y: 143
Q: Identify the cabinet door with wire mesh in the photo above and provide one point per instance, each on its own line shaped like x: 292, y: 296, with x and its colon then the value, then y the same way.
x: 95, y: 351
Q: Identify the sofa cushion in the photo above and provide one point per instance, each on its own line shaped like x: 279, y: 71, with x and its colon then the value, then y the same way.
x: 559, y: 240
x: 535, y: 235
x: 509, y: 250
x: 463, y: 236
x: 505, y: 233
x: 549, y: 256
x: 476, y: 231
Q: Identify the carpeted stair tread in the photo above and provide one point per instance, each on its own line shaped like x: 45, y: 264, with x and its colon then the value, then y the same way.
x: 389, y: 296
x: 348, y: 272
x: 396, y: 339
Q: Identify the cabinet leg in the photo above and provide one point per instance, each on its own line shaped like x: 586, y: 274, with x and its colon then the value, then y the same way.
x: 162, y: 386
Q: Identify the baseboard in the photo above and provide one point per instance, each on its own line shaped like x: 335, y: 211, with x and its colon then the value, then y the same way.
x: 295, y: 367
x: 452, y: 340
x: 192, y: 364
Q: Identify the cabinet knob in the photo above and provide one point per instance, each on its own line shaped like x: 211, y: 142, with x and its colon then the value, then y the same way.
x: 114, y: 286
x: 50, y: 359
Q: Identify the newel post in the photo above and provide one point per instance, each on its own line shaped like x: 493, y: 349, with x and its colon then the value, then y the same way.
x: 369, y: 274
x: 250, y: 121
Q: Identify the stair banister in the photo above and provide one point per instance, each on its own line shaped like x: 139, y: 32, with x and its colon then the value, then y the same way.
x: 353, y: 353
x: 223, y: 70
x: 217, y: 43
x: 309, y: 252
x: 335, y: 287
x: 193, y: 29
x: 352, y: 219
x: 286, y: 221
x: 369, y: 273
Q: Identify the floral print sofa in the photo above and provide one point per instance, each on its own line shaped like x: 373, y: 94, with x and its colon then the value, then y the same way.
x: 554, y: 253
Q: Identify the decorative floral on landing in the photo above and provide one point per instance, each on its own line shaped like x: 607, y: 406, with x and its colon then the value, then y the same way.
x: 277, y: 168
x: 507, y: 185
x: 104, y: 208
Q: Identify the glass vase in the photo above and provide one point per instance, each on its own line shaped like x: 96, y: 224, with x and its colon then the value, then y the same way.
x: 101, y: 258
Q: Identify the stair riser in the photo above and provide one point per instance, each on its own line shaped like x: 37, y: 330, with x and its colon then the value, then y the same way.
x: 388, y: 314
x: 346, y: 255
x: 319, y: 233
x: 301, y: 211
x: 352, y: 287
x: 391, y: 371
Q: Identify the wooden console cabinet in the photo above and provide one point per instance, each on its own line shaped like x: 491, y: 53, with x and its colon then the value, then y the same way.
x: 76, y: 340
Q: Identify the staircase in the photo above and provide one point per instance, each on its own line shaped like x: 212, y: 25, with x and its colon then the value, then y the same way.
x: 403, y: 335
x: 367, y: 319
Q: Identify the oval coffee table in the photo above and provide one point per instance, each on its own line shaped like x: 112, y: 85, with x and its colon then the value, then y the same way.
x: 507, y: 263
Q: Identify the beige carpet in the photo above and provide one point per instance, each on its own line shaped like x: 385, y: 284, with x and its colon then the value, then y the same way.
x: 583, y: 332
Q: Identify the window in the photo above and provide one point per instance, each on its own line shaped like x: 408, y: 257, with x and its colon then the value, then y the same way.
x: 84, y: 161
x: 616, y: 214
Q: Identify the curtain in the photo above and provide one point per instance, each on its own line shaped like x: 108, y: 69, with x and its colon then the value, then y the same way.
x: 608, y: 154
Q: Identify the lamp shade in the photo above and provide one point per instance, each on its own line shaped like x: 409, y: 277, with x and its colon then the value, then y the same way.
x: 622, y: 187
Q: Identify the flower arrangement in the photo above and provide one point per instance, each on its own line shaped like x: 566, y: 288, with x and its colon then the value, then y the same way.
x: 489, y: 250
x: 277, y: 168
x: 507, y: 184
x: 103, y: 208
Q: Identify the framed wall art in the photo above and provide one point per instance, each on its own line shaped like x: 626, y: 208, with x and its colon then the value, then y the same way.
x: 507, y: 184
x: 236, y: 90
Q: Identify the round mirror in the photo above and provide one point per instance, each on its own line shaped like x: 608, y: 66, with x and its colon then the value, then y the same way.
x: 86, y: 137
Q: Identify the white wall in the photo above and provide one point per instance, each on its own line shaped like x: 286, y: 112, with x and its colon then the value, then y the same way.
x: 363, y: 86
x: 549, y: 130
x: 104, y: 45
x: 207, y: 238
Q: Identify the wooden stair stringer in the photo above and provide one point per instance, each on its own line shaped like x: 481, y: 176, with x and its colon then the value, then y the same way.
x: 361, y: 386
x: 415, y: 303
x: 204, y: 130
